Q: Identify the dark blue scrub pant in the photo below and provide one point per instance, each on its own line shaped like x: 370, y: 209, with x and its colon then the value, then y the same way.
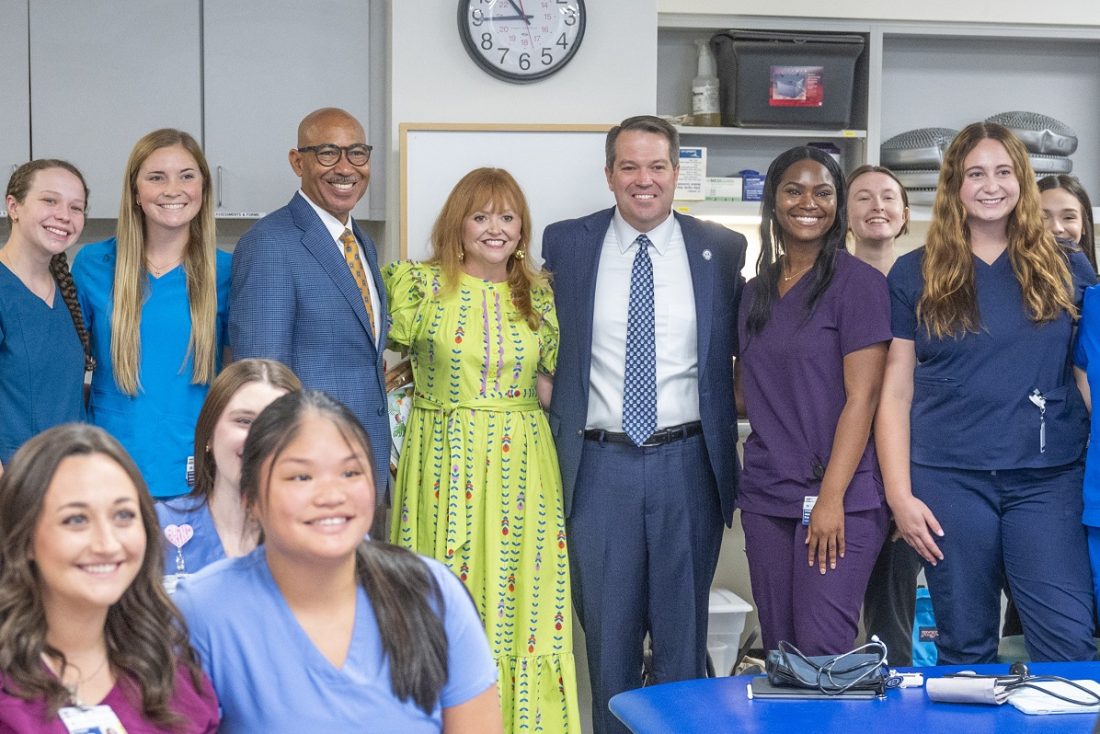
x: 644, y: 534
x: 1020, y: 526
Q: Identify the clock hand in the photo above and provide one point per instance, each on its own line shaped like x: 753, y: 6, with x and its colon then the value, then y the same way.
x: 519, y: 9
x: 523, y: 11
x: 525, y: 18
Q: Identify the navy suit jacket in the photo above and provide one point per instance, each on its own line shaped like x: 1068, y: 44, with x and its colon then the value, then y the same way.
x: 715, y: 255
x: 293, y: 299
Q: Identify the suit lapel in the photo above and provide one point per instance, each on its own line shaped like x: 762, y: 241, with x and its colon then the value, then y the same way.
x: 702, y: 264
x: 316, y: 239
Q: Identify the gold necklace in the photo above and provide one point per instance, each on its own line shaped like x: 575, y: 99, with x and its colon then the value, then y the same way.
x: 792, y: 276
x: 159, y: 271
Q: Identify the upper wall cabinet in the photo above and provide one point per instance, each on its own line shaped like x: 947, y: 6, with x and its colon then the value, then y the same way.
x: 15, y: 142
x: 237, y: 74
x: 268, y: 63
x: 104, y: 73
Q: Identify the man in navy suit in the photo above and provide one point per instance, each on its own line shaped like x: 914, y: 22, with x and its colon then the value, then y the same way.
x: 306, y: 288
x: 643, y: 413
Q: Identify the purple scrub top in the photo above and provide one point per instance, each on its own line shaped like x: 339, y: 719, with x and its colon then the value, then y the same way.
x: 792, y: 376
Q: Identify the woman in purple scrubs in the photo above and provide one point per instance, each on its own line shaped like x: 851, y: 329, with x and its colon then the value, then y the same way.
x: 814, y: 327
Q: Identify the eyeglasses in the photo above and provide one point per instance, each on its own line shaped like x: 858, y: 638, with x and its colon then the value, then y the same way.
x: 329, y: 154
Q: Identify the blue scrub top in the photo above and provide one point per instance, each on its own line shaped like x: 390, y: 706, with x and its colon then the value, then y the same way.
x: 203, y: 548
x: 270, y: 677
x: 971, y: 395
x: 156, y: 426
x: 41, y: 364
x: 1087, y: 356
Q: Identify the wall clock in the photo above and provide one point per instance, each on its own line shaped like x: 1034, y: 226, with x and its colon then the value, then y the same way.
x: 521, y: 40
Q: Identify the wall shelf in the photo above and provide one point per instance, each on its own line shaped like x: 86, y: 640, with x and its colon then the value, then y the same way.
x: 770, y: 132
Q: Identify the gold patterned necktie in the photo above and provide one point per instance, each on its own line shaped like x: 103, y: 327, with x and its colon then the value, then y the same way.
x: 355, y: 265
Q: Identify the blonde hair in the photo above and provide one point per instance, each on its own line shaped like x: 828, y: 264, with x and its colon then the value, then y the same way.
x: 948, y: 305
x: 199, y: 263
x: 496, y: 187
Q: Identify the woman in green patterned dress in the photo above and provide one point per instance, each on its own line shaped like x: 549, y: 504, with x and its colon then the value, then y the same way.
x: 478, y: 485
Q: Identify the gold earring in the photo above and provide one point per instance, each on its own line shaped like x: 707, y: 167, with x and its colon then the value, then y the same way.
x: 461, y: 255
x: 520, y: 254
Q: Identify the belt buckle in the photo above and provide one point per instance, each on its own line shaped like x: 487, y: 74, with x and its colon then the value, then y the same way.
x: 657, y: 438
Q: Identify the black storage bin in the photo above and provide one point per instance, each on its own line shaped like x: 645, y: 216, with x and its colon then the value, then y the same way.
x: 786, y: 79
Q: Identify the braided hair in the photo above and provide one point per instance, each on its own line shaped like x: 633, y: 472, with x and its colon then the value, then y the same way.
x: 19, y: 185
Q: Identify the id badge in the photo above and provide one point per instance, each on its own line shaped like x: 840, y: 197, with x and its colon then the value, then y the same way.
x: 808, y: 503
x: 91, y: 720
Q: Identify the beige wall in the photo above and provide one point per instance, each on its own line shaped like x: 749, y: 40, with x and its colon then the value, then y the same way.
x: 612, y: 76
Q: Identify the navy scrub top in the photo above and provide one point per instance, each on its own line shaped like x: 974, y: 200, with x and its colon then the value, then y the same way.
x: 972, y: 395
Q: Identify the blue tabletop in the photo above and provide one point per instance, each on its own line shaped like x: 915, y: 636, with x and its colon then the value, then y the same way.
x: 713, y: 705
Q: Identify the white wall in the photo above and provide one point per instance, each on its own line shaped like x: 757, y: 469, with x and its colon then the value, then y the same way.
x: 432, y: 79
x: 1078, y: 12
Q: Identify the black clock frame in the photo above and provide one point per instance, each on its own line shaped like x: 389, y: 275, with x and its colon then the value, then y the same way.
x: 486, y: 65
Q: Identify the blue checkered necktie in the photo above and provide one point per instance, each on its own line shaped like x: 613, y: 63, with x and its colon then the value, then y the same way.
x: 640, y: 375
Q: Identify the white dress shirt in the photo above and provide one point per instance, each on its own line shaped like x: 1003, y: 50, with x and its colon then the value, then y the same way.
x: 674, y: 326
x: 336, y: 229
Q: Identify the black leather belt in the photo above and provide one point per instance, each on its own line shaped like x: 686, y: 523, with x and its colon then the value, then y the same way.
x: 657, y: 438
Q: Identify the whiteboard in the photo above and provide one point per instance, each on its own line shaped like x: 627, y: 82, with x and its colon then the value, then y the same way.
x: 559, y: 168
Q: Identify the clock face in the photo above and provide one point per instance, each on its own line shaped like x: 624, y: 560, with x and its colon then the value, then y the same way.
x: 521, y: 40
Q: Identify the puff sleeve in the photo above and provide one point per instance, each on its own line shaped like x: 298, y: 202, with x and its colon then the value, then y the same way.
x: 407, y: 286
x: 542, y: 300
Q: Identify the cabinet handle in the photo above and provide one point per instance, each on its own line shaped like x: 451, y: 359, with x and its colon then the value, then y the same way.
x: 218, y: 187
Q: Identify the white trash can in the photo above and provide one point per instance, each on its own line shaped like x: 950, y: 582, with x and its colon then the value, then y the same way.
x: 726, y: 622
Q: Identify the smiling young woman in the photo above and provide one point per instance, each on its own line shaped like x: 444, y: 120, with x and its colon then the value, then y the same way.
x: 210, y: 522
x: 981, y: 429
x: 84, y: 619
x: 813, y: 329
x: 155, y: 300
x: 43, y: 358
x: 352, y: 630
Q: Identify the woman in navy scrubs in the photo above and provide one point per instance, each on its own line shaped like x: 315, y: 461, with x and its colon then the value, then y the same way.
x: 981, y: 429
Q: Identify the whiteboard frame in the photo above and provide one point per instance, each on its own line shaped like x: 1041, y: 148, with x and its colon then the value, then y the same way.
x: 447, y: 170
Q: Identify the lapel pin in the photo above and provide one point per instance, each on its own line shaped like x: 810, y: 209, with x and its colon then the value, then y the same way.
x: 706, y: 254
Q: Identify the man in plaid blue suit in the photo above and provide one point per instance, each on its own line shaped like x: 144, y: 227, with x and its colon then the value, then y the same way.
x: 295, y: 296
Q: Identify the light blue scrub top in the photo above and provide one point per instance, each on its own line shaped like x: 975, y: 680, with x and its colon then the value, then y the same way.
x: 203, y: 548
x: 270, y: 678
x: 157, y: 426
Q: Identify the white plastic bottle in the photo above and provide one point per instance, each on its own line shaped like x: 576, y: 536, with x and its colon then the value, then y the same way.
x: 705, y: 106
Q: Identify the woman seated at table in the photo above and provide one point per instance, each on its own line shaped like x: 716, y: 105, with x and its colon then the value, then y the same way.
x: 210, y: 523
x: 318, y: 627
x: 83, y: 617
x: 814, y: 326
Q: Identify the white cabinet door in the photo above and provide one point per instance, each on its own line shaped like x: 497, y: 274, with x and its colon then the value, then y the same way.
x: 15, y: 102
x: 104, y: 73
x: 267, y: 64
